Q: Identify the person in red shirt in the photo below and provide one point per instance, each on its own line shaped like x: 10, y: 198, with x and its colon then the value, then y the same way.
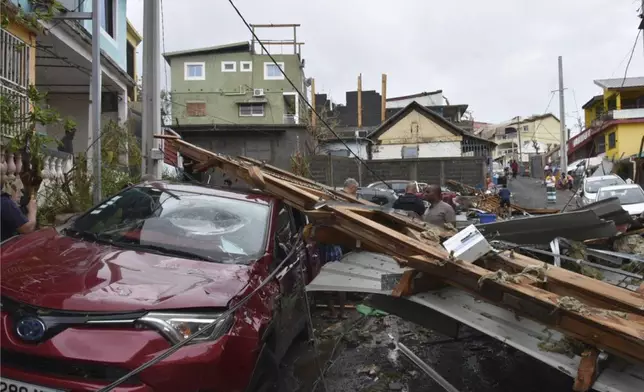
x: 515, y: 168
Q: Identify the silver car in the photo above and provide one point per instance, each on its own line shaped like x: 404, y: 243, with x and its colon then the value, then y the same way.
x: 631, y: 197
x: 587, y: 193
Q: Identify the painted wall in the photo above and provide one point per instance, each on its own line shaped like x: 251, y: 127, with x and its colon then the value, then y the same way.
x: 30, y: 39
x: 222, y: 90
x: 425, y: 150
x: 416, y: 128
x: 627, y: 137
x: 76, y: 107
x: 358, y: 148
x: 114, y: 47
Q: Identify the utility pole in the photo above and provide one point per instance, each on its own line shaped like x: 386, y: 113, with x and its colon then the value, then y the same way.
x: 152, y: 154
x: 520, y: 147
x: 360, y: 101
x: 563, y: 145
x: 314, y: 118
x: 96, y: 92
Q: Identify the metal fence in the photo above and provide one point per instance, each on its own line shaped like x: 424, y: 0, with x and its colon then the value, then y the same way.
x: 14, y: 79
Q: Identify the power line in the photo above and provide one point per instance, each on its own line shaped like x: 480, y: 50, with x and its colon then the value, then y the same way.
x: 637, y: 37
x: 303, y: 97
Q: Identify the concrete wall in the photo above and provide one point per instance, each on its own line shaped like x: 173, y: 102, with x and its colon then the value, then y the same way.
x: 333, y: 171
x: 75, y: 107
x: 273, y: 147
x: 222, y: 90
x: 358, y: 148
x: 425, y: 150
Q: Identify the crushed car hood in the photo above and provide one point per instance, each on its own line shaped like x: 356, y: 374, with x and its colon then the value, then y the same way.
x: 49, y: 270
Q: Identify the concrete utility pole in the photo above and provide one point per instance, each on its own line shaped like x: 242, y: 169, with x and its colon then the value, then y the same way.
x: 520, y: 162
x: 96, y: 92
x: 563, y: 146
x: 360, y: 101
x: 152, y: 154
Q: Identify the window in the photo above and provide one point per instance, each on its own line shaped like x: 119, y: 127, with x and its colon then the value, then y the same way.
x: 251, y: 110
x: 526, y: 128
x: 195, y: 71
x: 339, y: 153
x: 246, y: 66
x: 180, y: 221
x: 612, y: 140
x: 108, y: 20
x: 272, y: 71
x: 196, y: 109
x: 600, y: 145
x: 410, y: 152
x: 228, y: 66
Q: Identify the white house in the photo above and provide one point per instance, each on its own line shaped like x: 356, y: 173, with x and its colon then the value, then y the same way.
x: 418, y: 132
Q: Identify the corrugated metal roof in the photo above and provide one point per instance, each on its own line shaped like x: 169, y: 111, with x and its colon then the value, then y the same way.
x: 362, y: 272
x: 621, y: 82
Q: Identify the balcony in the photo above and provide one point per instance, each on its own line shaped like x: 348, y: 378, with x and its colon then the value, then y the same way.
x: 626, y: 114
x: 509, y: 136
x: 56, y: 165
x: 14, y: 80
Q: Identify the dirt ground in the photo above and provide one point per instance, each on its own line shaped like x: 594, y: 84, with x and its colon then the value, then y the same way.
x: 364, y: 359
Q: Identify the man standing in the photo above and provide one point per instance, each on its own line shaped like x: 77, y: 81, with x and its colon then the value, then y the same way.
x: 438, y: 212
x: 351, y: 187
x: 409, y: 201
x: 515, y: 168
x: 14, y: 222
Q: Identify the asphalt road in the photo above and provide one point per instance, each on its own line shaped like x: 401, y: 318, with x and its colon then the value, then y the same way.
x: 530, y: 192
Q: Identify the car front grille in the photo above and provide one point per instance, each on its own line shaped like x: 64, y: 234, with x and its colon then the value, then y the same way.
x: 57, y: 367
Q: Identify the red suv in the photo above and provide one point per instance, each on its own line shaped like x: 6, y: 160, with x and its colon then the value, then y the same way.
x: 144, y: 270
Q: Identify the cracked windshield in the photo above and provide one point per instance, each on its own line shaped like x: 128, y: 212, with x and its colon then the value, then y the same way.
x: 321, y: 196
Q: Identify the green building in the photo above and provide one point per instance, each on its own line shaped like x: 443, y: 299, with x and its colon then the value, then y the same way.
x: 231, y: 100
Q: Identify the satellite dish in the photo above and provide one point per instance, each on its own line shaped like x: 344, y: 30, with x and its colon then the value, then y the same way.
x: 308, y: 82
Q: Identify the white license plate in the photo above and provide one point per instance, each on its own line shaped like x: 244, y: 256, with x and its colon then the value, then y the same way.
x: 7, y: 385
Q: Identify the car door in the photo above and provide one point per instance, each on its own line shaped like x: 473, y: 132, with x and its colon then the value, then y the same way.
x: 289, y: 277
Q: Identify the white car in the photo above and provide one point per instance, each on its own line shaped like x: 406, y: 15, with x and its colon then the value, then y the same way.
x: 587, y: 193
x: 631, y: 196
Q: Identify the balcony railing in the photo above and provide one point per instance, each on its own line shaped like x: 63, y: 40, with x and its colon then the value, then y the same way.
x: 510, y: 136
x: 626, y: 114
x: 14, y: 79
x: 291, y: 119
x: 55, y: 165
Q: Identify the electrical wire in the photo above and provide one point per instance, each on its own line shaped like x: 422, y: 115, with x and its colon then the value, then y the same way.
x: 303, y: 97
x: 208, y: 328
x: 628, y: 64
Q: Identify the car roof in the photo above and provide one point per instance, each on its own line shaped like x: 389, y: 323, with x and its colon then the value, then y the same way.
x: 620, y: 187
x: 606, y: 177
x: 217, y: 191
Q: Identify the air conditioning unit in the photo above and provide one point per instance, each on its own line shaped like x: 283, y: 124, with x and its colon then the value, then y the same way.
x: 258, y: 92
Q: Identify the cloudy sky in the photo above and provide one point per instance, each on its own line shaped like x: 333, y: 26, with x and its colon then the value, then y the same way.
x: 498, y: 56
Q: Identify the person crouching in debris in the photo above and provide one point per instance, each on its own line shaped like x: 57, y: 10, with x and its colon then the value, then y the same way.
x: 438, y: 212
x: 351, y: 187
x: 410, y: 201
x: 328, y: 253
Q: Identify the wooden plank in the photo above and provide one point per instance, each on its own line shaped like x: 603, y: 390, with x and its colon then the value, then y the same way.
x: 591, y: 291
x: 621, y: 334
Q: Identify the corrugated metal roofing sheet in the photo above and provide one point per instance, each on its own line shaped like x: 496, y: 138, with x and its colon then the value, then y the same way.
x: 362, y: 272
x: 621, y: 82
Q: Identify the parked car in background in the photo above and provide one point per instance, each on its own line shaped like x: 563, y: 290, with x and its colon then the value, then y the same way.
x: 399, y: 187
x: 382, y: 197
x: 587, y: 193
x: 631, y: 197
x: 145, y: 270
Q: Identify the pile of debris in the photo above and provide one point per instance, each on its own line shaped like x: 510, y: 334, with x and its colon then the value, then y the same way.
x: 491, y: 202
x: 601, y: 315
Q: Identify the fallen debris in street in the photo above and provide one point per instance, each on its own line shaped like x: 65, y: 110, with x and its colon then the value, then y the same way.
x: 594, y: 312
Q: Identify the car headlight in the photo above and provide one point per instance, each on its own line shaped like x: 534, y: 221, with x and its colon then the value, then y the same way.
x: 179, y: 326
